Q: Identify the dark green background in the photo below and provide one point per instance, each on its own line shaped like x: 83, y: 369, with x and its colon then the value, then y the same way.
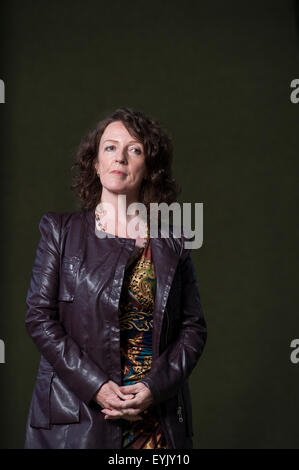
x: 217, y: 75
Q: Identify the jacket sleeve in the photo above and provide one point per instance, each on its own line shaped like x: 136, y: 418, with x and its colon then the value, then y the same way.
x: 70, y: 363
x: 177, y: 361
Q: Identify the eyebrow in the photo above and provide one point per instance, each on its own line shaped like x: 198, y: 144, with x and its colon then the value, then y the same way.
x: 113, y: 140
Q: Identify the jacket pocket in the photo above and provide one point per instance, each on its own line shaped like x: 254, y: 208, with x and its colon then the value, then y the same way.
x: 40, y: 404
x: 64, y: 404
x: 53, y: 402
x: 68, y: 275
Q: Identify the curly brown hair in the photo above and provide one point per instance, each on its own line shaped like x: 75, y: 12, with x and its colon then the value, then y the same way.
x: 158, y: 187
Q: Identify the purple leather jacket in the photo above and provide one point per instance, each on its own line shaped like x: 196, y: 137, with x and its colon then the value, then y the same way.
x: 72, y: 317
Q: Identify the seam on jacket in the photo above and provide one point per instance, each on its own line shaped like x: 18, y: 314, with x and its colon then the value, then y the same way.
x: 49, y: 336
x: 56, y: 226
x: 110, y: 342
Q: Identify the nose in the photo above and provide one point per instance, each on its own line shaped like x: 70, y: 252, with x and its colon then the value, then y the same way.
x: 121, y: 157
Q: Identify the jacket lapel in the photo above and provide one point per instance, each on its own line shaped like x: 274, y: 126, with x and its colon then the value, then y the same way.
x: 165, y: 259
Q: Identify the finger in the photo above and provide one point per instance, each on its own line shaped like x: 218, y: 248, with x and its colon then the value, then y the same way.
x: 117, y: 390
x: 118, y: 406
x: 114, y: 402
x: 108, y: 415
x: 129, y: 388
x: 126, y: 417
x: 111, y: 413
x: 124, y: 396
x: 121, y: 414
x: 133, y: 403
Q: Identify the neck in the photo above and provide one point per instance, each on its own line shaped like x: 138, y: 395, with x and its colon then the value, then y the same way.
x: 116, y: 216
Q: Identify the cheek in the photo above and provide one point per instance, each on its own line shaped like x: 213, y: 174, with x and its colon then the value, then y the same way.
x: 103, y: 164
x: 139, y: 170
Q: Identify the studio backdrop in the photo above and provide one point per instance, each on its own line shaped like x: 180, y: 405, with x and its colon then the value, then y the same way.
x: 221, y: 77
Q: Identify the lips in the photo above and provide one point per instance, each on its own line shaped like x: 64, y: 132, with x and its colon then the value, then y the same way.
x: 118, y: 172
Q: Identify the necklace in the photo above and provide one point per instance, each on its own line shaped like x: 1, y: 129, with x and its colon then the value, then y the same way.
x: 103, y: 226
x: 98, y: 213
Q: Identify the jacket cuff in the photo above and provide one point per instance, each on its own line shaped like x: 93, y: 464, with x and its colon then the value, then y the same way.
x: 150, y: 384
x: 85, y: 382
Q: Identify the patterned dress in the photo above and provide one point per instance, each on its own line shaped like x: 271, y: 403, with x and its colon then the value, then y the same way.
x: 136, y: 323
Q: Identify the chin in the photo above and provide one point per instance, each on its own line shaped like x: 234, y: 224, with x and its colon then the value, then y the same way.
x: 117, y: 188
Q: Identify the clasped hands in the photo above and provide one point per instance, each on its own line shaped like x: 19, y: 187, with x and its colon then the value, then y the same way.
x: 124, y: 402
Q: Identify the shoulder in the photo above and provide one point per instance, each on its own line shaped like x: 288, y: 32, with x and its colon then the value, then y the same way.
x: 57, y: 222
x: 178, y: 236
x: 61, y: 219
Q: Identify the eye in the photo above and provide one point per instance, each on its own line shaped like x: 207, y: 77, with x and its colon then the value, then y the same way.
x: 138, y: 150
x: 109, y: 146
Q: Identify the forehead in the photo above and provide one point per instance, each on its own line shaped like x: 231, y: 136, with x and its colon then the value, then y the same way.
x: 118, y: 131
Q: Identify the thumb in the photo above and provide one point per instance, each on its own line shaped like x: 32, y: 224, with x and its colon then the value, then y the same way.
x: 122, y: 393
x: 129, y: 388
x: 127, y: 396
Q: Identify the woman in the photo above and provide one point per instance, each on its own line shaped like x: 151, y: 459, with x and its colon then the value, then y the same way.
x: 117, y: 318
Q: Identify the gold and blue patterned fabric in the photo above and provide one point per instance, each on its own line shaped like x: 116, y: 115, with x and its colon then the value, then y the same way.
x: 136, y: 322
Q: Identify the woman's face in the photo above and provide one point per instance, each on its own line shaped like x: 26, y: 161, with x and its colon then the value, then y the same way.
x: 118, y: 150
